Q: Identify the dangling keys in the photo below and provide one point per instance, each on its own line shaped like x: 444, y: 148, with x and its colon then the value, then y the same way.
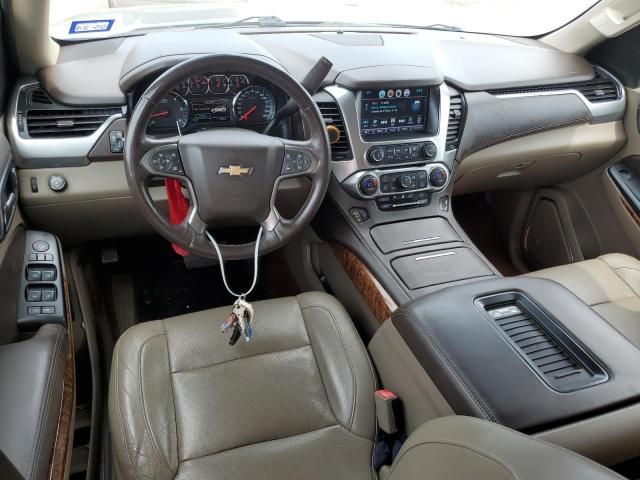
x: 239, y: 320
x: 242, y: 314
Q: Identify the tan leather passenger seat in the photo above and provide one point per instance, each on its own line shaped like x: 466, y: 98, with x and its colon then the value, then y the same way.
x: 610, y: 284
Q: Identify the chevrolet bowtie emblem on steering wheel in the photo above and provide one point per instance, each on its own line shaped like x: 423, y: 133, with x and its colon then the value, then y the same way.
x: 235, y: 170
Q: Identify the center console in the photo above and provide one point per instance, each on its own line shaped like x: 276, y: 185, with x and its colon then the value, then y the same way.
x: 522, y: 352
x: 390, y: 195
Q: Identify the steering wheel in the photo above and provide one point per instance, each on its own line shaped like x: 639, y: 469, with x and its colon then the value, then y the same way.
x: 231, y: 174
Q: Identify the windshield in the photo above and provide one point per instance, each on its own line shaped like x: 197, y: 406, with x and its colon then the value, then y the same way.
x: 83, y: 19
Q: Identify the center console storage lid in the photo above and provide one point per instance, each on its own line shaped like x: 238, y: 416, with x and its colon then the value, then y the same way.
x: 461, y: 342
x: 440, y: 266
x: 413, y: 233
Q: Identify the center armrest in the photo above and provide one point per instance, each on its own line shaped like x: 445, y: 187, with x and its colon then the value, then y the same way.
x: 476, y: 342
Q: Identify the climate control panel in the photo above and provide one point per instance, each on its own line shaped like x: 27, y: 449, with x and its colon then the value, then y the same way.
x: 399, y: 183
x: 402, y: 153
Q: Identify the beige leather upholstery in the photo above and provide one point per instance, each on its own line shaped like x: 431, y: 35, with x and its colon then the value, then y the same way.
x: 295, y: 402
x: 610, y: 284
x: 461, y: 448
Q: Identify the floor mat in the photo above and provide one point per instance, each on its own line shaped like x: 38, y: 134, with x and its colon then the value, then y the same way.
x: 163, y: 287
x: 474, y: 215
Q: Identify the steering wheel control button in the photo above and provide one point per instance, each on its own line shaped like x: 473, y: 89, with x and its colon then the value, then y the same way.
x: 429, y: 151
x: 40, y: 246
x: 368, y: 185
x: 116, y: 141
x: 57, y: 183
x: 438, y: 177
x: 359, y: 215
x: 166, y: 161
x: 295, y: 161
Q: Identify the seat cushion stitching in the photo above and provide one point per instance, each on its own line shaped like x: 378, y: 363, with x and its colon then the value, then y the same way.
x: 186, y: 370
x: 116, y: 354
x: 459, y: 445
x: 45, y: 406
x: 147, y: 424
x: 328, y: 427
x: 173, y: 395
x: 346, y: 351
x: 324, y: 387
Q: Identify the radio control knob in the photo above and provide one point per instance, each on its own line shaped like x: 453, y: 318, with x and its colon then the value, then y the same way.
x: 438, y: 177
x: 429, y: 151
x: 405, y: 181
x: 368, y: 185
x: 375, y: 155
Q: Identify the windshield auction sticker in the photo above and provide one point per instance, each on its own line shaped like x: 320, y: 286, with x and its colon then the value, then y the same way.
x: 91, y: 26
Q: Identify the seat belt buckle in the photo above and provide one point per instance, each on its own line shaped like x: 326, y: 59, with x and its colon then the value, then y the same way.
x: 386, y: 402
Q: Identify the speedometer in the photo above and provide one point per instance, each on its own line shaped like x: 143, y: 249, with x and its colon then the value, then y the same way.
x: 172, y: 110
x: 254, y: 104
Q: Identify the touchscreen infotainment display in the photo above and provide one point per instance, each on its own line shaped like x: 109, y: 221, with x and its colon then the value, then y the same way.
x: 391, y: 111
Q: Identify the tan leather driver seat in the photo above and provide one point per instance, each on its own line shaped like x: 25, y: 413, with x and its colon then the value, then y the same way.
x: 294, y: 403
x: 610, y: 284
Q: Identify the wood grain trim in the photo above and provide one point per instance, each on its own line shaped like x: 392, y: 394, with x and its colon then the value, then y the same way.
x: 375, y: 296
x: 61, y: 455
x: 630, y: 210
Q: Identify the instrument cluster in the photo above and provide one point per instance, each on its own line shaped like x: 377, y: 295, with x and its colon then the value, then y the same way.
x: 216, y: 100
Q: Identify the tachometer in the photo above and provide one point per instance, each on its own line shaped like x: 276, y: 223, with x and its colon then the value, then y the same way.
x: 254, y: 104
x: 172, y: 110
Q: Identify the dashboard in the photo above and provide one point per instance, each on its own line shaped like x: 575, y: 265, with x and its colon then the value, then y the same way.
x: 216, y: 99
x: 413, y: 116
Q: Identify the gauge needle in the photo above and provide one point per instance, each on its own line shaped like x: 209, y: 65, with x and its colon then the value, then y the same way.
x: 160, y: 114
x: 246, y: 114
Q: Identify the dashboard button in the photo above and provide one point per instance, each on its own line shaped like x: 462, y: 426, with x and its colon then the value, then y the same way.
x: 376, y: 155
x: 368, y: 185
x: 429, y: 151
x: 438, y: 177
x: 57, y: 183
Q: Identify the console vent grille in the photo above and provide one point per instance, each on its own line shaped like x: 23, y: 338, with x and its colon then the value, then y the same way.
x: 557, y: 359
x: 456, y: 117
x: 602, y: 88
x: 38, y: 95
x: 67, y: 123
x: 340, y: 150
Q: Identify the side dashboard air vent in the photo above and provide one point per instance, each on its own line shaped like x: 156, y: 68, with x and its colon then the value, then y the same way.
x: 602, y: 88
x: 340, y: 148
x: 557, y: 359
x: 456, y: 119
x: 38, y: 95
x: 63, y: 123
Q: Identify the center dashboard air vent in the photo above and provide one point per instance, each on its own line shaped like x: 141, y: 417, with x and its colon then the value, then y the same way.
x: 340, y: 148
x: 456, y: 119
x: 601, y: 88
